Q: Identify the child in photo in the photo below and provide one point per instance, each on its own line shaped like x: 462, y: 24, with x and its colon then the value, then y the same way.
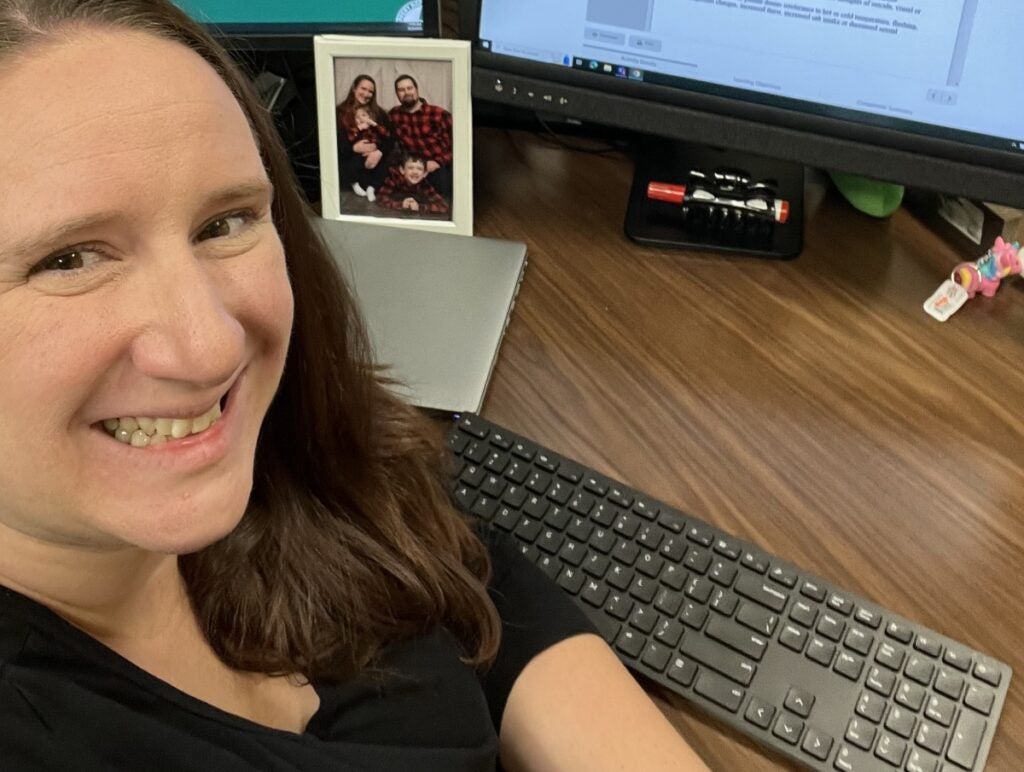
x: 407, y: 188
x: 368, y: 172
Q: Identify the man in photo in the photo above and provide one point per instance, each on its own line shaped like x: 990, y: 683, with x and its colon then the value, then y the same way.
x: 408, y: 189
x: 424, y: 130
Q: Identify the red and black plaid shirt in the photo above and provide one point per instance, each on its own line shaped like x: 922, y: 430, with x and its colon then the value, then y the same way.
x: 397, y: 189
x: 426, y: 132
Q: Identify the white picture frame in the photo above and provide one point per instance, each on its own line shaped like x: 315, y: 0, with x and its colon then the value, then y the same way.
x: 440, y: 76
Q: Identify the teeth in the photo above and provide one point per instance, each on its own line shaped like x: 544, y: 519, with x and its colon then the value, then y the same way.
x: 140, y: 432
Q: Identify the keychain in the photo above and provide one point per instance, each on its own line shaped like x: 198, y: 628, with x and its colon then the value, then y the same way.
x: 968, y: 279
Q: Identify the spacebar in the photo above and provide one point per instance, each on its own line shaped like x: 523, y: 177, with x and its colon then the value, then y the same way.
x: 717, y: 657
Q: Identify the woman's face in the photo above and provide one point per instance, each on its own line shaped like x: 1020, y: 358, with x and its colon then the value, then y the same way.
x: 364, y: 91
x: 140, y: 277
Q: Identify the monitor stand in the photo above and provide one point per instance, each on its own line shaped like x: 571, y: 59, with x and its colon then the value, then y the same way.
x: 696, y: 226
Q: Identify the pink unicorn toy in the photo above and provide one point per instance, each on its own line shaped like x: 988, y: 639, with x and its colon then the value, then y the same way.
x: 985, y: 273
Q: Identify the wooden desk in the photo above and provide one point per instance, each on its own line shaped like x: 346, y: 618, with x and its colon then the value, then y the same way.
x: 809, y: 406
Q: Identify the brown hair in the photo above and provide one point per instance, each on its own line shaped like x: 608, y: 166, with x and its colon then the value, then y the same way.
x: 349, y: 541
x: 346, y: 110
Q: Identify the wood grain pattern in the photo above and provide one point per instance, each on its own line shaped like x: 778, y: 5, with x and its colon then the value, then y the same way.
x: 809, y: 406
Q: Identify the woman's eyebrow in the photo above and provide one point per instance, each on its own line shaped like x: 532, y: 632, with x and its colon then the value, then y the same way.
x: 62, y: 234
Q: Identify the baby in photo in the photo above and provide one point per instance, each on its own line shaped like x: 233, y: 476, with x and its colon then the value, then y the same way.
x: 367, y: 130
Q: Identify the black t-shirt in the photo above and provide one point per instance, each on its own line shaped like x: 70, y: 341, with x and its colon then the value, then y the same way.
x: 68, y: 702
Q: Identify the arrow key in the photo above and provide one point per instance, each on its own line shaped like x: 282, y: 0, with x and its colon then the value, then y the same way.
x: 799, y: 702
x: 759, y: 713
x: 817, y: 743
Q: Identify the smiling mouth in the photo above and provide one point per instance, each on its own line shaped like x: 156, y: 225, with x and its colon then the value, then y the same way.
x: 145, y: 431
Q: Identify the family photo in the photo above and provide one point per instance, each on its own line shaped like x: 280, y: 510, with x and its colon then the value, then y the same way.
x: 395, y: 133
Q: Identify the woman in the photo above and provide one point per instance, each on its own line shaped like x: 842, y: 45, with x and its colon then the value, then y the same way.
x: 364, y: 138
x: 223, y: 545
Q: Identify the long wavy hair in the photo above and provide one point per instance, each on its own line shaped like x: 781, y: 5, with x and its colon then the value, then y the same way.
x: 346, y: 110
x: 349, y: 541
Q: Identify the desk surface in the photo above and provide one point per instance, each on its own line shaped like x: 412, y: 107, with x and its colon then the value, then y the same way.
x: 809, y: 406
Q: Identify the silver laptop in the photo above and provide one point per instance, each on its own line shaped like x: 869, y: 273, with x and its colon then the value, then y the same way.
x: 436, y: 305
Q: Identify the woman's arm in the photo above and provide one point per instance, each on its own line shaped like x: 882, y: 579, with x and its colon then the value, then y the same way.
x: 576, y: 707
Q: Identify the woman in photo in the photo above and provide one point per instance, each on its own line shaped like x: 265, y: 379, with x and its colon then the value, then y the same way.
x: 224, y: 544
x: 364, y: 139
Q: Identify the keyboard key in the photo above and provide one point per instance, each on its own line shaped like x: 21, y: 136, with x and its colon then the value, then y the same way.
x: 718, y: 658
x: 963, y: 748
x: 926, y: 644
x: 630, y: 642
x: 861, y: 733
x: 551, y: 566
x: 988, y: 672
x: 596, y: 564
x: 493, y: 486
x: 788, y: 728
x: 859, y: 640
x: 737, y: 638
x: 484, y: 507
x: 891, y: 749
x: 603, y: 540
x: 757, y: 589
x: 930, y: 736
x: 571, y: 579
x: 595, y: 594
x: 724, y: 602
x: 673, y: 521
x: 569, y: 470
x: 817, y: 744
x: 921, y: 762
x: 619, y: 606
x: 626, y: 526
x: 911, y: 695
x: 620, y: 496
x: 727, y: 546
x: 881, y: 680
x: 803, y: 613
x: 595, y: 484
x: 582, y: 503
x: 559, y: 492
x: 821, y: 651
x: 550, y: 541
x: 699, y: 589
x: 603, y: 514
x: 643, y: 619
x: 474, y: 425
x: 757, y: 619
x: 669, y: 632
x: 900, y: 721
x: 940, y: 710
x: 867, y: 617
x: 528, y: 529
x: 813, y: 590
x: 674, y: 548
x: 852, y: 760
x: 793, y: 637
x: 783, y: 575
x: 496, y: 462
x: 572, y: 553
x: 620, y: 577
x: 799, y: 702
x: 668, y: 602
x: 949, y: 683
x: 626, y: 552
x: 719, y: 691
x: 920, y: 669
x: 546, y: 461
x: 759, y: 713
x: 682, y: 671
x: 980, y: 699
x: 900, y: 631
x: 646, y: 508
x: 722, y: 573
x: 871, y: 706
x: 656, y: 656
x: 693, y: 615
x: 697, y: 559
x: 651, y: 537
x: 673, y: 577
x: 755, y: 561
x: 558, y: 517
x: 700, y: 534
x: 890, y: 656
x: 840, y: 603
x: 477, y: 452
x: 643, y: 588
x: 501, y: 440
x: 958, y: 657
x: 849, y: 665
x: 649, y: 564
x: 831, y: 626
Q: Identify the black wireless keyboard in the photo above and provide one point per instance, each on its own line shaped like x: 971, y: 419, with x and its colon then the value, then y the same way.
x: 814, y: 672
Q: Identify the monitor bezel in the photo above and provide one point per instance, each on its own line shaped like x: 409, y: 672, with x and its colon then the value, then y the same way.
x: 837, y: 144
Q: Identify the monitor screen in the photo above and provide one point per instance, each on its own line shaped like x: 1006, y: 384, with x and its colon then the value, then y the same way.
x: 277, y: 17
x: 940, y: 78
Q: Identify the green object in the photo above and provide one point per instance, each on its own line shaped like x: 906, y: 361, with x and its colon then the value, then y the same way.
x: 293, y: 11
x: 878, y: 199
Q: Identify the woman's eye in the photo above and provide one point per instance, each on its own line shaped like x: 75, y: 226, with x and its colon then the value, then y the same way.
x: 224, y: 227
x: 72, y: 261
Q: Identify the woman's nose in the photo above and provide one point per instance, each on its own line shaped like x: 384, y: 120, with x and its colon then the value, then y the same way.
x: 189, y: 332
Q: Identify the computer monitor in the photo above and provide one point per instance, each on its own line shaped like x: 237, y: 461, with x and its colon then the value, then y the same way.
x: 928, y: 94
x: 281, y: 24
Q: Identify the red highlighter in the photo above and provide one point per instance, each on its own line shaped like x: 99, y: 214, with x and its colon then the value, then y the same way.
x: 775, y: 209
